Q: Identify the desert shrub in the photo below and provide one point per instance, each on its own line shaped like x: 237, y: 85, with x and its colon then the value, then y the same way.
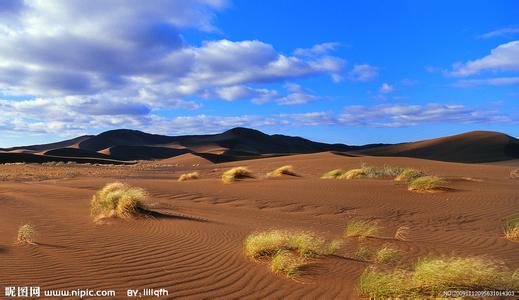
x: 284, y: 170
x: 117, y: 200
x: 385, y: 255
x: 268, y: 243
x: 234, y: 174
x: 189, y: 176
x: 287, y: 263
x: 426, y: 183
x: 514, y: 173
x: 362, y: 253
x: 409, y: 174
x: 512, y: 227
x: 360, y: 228
x: 333, y: 174
x: 432, y: 276
x: 402, y: 233
x: 26, y: 235
x: 352, y: 174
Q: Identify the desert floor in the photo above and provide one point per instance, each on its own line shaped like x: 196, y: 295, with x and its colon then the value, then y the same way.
x: 195, y: 248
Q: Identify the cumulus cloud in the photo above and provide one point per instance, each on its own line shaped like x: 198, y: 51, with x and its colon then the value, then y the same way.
x: 135, y: 50
x: 296, y: 95
x: 386, y: 88
x: 363, y: 72
x: 317, y: 49
x: 504, y: 57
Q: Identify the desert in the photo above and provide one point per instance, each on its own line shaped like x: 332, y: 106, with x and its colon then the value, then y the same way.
x: 191, y: 239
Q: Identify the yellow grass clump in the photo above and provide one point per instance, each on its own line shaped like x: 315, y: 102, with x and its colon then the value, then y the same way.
x: 512, y: 228
x: 234, y: 174
x: 189, y: 176
x: 432, y: 276
x: 426, y: 183
x: 360, y: 228
x: 268, y: 243
x: 284, y: 170
x: 117, y: 200
x: 352, y: 174
x: 26, y: 235
x: 385, y: 255
x: 287, y: 263
x: 409, y: 174
x: 362, y: 253
x: 333, y: 174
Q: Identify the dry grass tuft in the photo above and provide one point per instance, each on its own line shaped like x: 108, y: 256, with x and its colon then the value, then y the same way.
x: 514, y: 173
x: 268, y: 243
x: 189, y: 176
x: 26, y: 235
x: 287, y: 263
x: 360, y: 228
x: 402, y: 233
x: 362, y: 253
x: 409, y: 174
x: 117, y: 200
x: 432, y: 276
x: 333, y: 174
x: 234, y: 174
x: 426, y: 183
x: 284, y: 170
x: 385, y: 255
x: 353, y: 174
x: 512, y: 228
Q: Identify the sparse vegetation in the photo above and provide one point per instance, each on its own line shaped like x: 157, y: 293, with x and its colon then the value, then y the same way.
x: 289, y: 250
x: 268, y: 243
x: 512, y: 228
x: 352, y: 174
x: 426, y: 183
x: 432, y: 276
x: 287, y: 263
x: 234, y: 174
x: 26, y: 235
x: 333, y: 174
x: 409, y: 174
x: 402, y: 233
x: 117, y: 200
x: 284, y: 170
x: 368, y: 171
x: 385, y: 255
x: 514, y: 173
x: 360, y: 228
x: 189, y: 176
x: 362, y: 253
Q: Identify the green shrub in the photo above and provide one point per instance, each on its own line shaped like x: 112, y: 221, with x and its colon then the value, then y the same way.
x: 385, y: 255
x: 362, y: 253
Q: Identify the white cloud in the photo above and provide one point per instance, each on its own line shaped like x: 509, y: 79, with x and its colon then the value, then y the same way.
x: 505, y: 57
x: 401, y: 115
x: 297, y: 95
x: 386, y: 88
x: 498, y: 81
x: 318, y: 49
x: 512, y: 30
x: 363, y: 72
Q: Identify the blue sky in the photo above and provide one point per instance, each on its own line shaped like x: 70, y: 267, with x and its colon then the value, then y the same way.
x: 354, y: 72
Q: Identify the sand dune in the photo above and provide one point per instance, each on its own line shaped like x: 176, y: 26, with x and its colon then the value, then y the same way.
x: 194, y: 248
x: 476, y: 146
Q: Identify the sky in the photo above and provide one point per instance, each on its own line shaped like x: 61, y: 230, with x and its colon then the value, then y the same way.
x: 352, y: 72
